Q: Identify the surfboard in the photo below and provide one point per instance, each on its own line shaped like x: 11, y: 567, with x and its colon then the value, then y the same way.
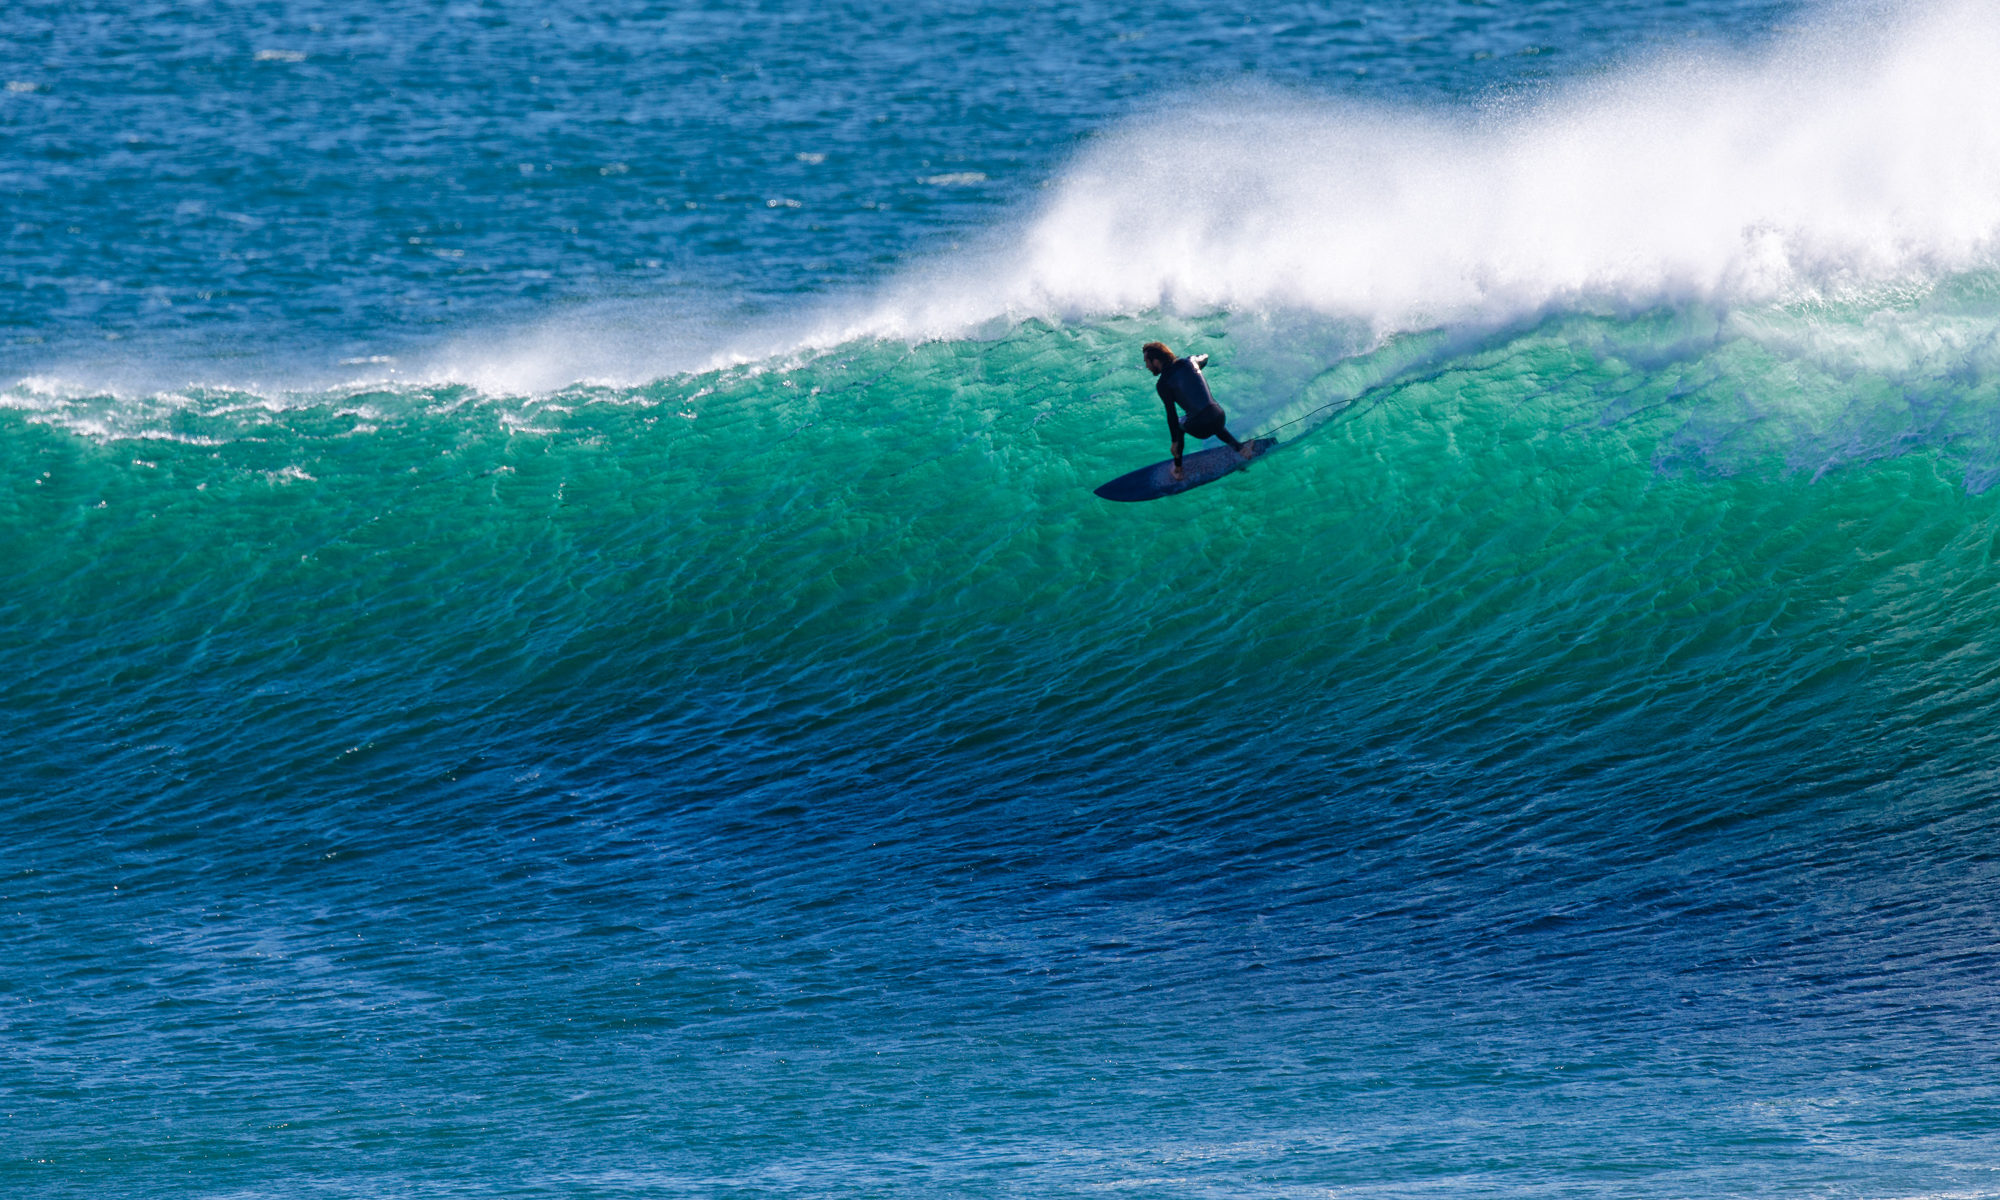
x: 1203, y: 466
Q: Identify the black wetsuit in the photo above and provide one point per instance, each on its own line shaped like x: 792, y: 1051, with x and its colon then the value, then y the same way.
x: 1182, y: 385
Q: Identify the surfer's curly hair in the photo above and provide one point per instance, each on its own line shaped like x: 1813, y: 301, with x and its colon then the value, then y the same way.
x: 1159, y: 350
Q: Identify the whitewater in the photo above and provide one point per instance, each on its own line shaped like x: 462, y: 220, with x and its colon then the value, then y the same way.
x: 557, y: 639
x: 1831, y: 168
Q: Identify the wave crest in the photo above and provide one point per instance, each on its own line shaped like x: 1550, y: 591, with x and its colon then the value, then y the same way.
x: 1850, y: 158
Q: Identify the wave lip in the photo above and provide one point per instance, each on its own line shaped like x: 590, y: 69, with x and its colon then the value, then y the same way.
x: 1844, y: 161
x: 1858, y: 163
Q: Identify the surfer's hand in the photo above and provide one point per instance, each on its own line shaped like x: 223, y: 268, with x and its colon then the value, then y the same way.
x: 1177, y: 470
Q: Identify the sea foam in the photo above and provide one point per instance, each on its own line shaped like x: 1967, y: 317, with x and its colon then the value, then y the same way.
x: 1860, y: 155
x: 1855, y: 161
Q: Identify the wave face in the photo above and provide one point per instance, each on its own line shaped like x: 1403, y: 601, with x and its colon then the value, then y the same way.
x: 517, y: 766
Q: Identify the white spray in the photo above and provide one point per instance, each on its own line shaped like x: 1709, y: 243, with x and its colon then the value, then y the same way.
x: 1855, y: 158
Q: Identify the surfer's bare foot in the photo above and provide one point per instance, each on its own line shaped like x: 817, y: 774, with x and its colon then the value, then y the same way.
x: 1246, y: 450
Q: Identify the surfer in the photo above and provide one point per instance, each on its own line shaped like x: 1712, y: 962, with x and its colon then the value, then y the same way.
x: 1182, y: 388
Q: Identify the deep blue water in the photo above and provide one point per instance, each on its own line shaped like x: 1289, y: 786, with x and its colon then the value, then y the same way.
x: 557, y: 640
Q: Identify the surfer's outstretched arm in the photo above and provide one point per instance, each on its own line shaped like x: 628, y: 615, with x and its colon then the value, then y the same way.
x: 1174, y: 431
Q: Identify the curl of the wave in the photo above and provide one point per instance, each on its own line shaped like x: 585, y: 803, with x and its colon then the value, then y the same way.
x: 1857, y: 161
x: 1861, y: 154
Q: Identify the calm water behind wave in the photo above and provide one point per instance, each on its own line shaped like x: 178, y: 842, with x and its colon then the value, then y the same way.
x: 330, y: 183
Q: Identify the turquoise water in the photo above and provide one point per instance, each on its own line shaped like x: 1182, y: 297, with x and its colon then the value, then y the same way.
x: 529, y: 722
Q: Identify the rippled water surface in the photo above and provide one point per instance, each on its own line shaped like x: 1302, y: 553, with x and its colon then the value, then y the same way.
x: 557, y: 639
